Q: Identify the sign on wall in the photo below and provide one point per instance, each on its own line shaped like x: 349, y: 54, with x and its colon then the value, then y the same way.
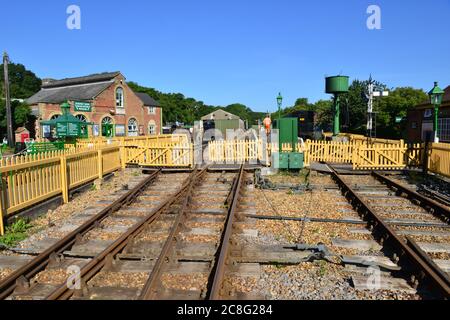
x: 82, y: 106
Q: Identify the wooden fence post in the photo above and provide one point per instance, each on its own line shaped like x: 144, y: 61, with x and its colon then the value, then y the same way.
x: 64, y: 182
x: 100, y: 164
x: 123, y: 157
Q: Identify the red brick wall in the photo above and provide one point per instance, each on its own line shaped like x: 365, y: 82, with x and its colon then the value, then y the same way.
x: 414, y: 124
x: 104, y: 103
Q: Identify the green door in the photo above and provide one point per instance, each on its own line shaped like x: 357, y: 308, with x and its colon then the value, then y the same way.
x: 107, y: 130
x: 107, y: 127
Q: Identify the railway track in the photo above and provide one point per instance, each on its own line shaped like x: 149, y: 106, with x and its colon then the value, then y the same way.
x: 196, y: 236
x: 90, y: 242
x: 154, y: 243
x: 411, y: 228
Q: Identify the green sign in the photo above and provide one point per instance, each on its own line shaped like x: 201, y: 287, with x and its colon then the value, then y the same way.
x: 82, y: 106
x: 61, y: 129
x: 67, y: 130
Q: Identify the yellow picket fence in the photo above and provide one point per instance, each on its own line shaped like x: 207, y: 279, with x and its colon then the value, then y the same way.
x: 130, y: 141
x: 159, y: 154
x: 439, y: 158
x: 380, y: 156
x: 360, y: 139
x: 235, y: 151
x: 28, y: 180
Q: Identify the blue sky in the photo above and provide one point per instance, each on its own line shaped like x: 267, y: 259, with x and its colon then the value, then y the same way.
x: 226, y: 51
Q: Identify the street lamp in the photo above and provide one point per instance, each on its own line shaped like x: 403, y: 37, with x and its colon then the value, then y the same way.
x: 436, y: 95
x: 280, y: 103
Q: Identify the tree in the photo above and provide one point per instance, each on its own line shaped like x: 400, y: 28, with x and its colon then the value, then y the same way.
x: 23, y: 84
x: 354, y: 107
x: 397, y: 104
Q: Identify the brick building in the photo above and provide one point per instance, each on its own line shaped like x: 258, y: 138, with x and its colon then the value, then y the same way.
x: 420, y: 120
x: 102, y: 99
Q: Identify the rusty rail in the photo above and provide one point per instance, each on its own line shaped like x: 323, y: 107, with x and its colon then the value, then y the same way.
x: 150, y: 286
x: 219, y: 268
x: 420, y: 272
x: 28, y: 271
x: 437, y: 209
x: 96, y: 264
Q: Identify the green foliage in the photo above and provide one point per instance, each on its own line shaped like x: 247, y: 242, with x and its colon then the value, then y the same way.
x: 23, y: 83
x: 15, y: 233
x: 176, y: 107
x: 400, y: 100
x: 397, y: 104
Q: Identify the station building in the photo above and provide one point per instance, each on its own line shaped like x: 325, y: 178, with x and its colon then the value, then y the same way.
x: 420, y: 120
x: 222, y: 121
x: 104, y: 99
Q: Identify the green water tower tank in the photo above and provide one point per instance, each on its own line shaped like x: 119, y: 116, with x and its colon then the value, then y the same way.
x: 337, y: 84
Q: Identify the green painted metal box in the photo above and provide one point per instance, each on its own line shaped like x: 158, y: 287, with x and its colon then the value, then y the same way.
x: 288, y: 130
x: 296, y: 160
x: 280, y: 160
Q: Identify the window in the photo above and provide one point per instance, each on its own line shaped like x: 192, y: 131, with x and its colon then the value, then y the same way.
x: 119, y: 98
x: 132, y: 127
x: 152, y: 128
x: 54, y: 117
x: 84, y: 129
x: 428, y: 113
x: 413, y: 125
x: 444, y: 129
x: 151, y: 110
x: 81, y: 117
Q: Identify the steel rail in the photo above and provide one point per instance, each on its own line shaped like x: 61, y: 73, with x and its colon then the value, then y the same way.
x: 97, y: 263
x: 420, y: 272
x: 224, y: 248
x: 437, y: 209
x: 149, y: 289
x: 28, y: 271
x: 418, y: 250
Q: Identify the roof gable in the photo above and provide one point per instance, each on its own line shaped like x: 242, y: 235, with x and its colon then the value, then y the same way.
x: 98, y: 77
x: 83, y: 92
x: 220, y: 114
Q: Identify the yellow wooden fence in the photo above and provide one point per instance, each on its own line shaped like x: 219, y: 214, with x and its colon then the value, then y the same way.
x: 439, y: 158
x: 130, y: 141
x: 27, y: 180
x: 235, y: 151
x: 159, y: 154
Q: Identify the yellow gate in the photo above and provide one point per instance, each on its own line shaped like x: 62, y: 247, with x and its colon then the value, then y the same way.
x: 380, y: 157
x: 161, y: 154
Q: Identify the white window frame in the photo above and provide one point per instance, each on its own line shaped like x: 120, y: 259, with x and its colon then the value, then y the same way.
x: 151, y: 110
x: 444, y: 129
x: 152, y: 129
x: 132, y: 122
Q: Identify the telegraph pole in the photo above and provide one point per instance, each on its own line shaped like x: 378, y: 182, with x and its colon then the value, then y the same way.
x: 9, y: 125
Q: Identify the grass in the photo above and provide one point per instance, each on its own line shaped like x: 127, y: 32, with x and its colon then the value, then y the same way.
x: 15, y: 233
x: 322, y: 268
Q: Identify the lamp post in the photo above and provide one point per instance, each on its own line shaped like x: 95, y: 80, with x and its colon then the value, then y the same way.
x: 280, y: 103
x: 436, y: 95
